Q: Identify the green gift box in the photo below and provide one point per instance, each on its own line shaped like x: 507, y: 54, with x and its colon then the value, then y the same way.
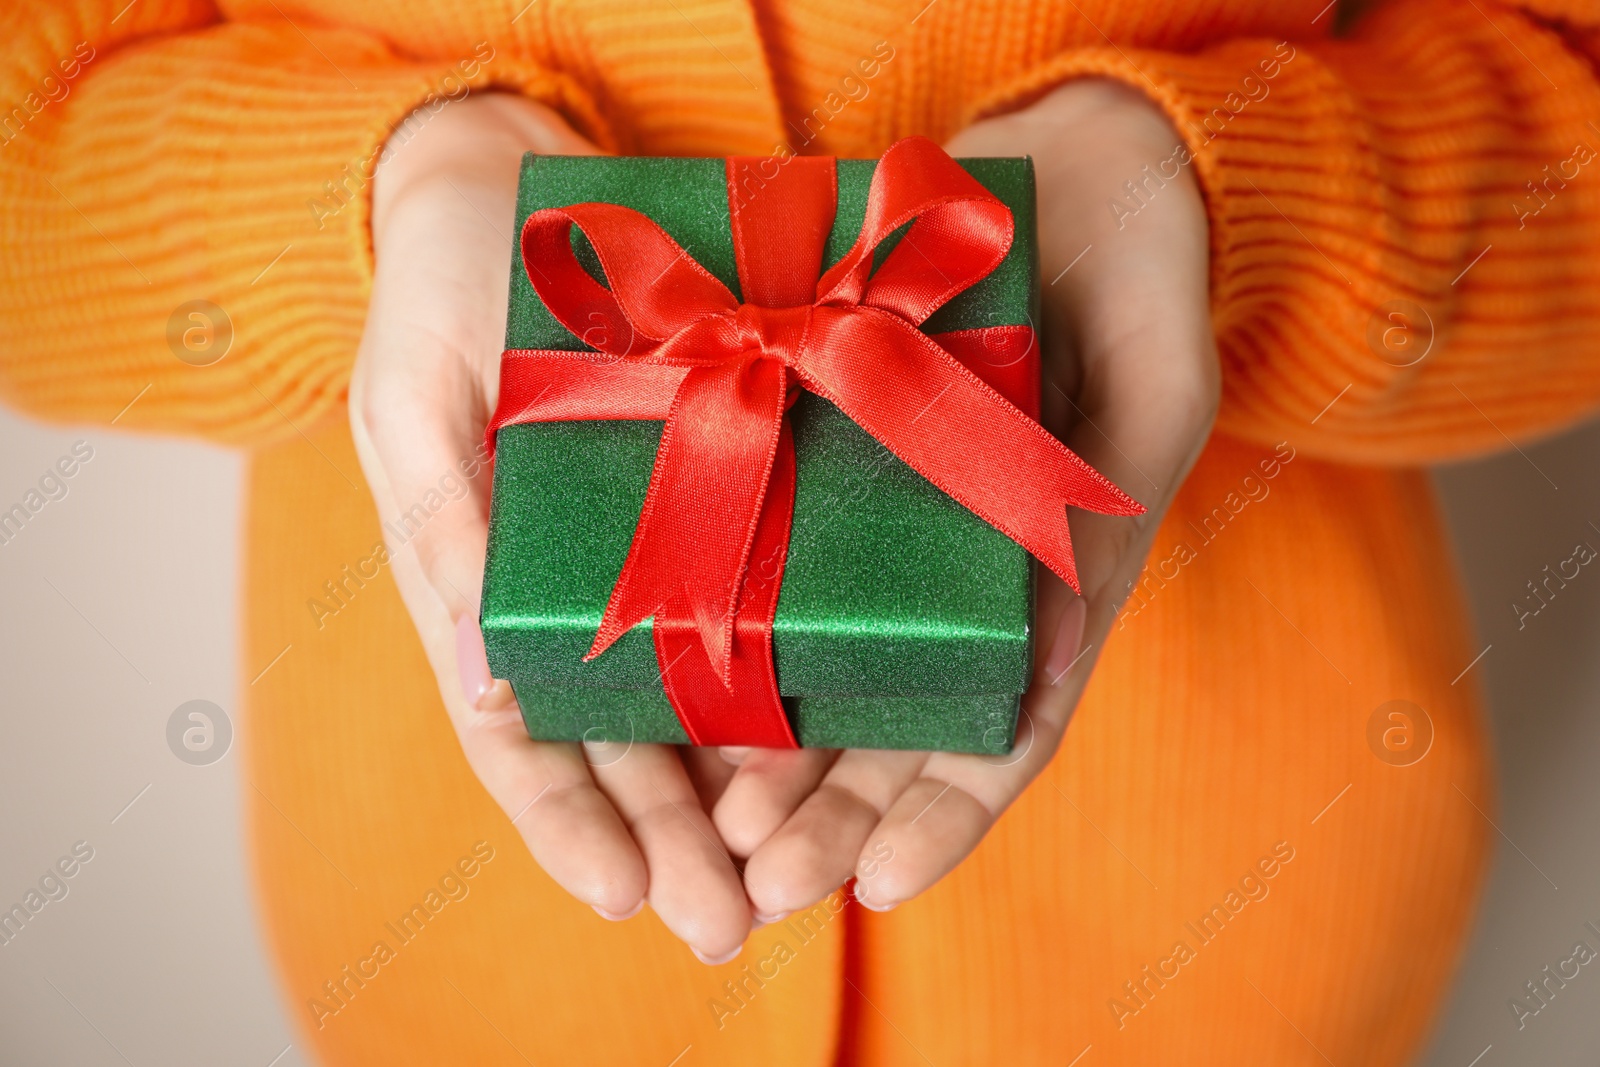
x: 903, y: 621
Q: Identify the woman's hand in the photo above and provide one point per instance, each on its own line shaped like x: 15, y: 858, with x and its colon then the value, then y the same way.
x: 1132, y: 388
x: 1131, y: 385
x: 613, y: 832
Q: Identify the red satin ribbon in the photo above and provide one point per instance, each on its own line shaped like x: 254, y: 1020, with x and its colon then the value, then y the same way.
x: 671, y: 342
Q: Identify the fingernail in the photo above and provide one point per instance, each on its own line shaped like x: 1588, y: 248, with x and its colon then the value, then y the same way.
x: 871, y: 906
x: 613, y: 916
x: 734, y: 754
x: 472, y: 663
x: 712, y: 961
x: 1069, y: 635
x: 768, y: 920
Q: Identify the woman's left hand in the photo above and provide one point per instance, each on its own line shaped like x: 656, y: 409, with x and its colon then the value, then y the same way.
x: 1131, y: 386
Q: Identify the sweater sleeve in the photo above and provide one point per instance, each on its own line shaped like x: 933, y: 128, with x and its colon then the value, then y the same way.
x: 185, y: 208
x: 1405, y: 222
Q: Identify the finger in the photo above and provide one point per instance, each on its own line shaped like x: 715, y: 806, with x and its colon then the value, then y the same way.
x: 442, y: 516
x: 815, y: 850
x: 424, y: 432
x: 419, y: 398
x: 1110, y: 549
x: 924, y: 834
x: 694, y: 886
x: 545, y: 788
x: 426, y: 380
x: 943, y: 815
x: 708, y: 772
x: 1131, y: 380
x: 766, y: 788
x: 1140, y: 416
x: 571, y: 828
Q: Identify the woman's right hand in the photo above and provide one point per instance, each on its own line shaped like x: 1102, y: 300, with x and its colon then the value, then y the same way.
x: 614, y: 832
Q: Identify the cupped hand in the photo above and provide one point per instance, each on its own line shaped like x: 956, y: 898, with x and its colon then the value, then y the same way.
x: 1131, y: 385
x: 614, y: 832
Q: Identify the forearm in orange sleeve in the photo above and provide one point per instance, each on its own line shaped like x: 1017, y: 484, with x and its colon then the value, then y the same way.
x: 1405, y: 224
x: 193, y: 168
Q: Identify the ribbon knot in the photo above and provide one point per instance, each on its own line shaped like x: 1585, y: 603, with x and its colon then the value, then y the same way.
x: 670, y: 341
x: 774, y: 333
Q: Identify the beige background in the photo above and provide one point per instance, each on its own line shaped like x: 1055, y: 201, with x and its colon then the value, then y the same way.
x: 119, y: 605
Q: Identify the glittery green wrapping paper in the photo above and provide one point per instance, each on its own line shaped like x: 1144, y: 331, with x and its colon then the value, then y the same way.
x: 904, y: 621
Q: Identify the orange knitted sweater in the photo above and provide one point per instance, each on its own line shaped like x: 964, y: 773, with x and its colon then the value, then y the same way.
x: 1216, y: 868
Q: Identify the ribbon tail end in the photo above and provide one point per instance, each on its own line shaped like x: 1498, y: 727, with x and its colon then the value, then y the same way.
x: 613, y: 625
x: 1069, y: 574
x: 716, y: 637
x: 719, y: 650
x: 601, y: 643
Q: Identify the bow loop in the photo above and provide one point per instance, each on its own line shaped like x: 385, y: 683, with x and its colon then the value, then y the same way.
x: 960, y: 234
x: 657, y: 288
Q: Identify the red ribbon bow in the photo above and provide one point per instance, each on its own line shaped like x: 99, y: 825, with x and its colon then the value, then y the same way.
x: 670, y: 341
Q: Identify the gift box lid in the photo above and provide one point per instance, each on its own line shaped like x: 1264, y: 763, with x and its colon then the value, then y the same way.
x: 890, y: 587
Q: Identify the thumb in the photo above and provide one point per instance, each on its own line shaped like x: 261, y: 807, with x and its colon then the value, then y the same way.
x: 442, y: 516
x: 431, y: 458
x: 427, y: 465
x: 420, y: 397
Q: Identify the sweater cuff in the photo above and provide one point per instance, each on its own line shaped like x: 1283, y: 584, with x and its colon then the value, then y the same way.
x: 1354, y: 190
x: 1274, y: 224
x: 1201, y: 96
x: 321, y: 210
x: 268, y: 141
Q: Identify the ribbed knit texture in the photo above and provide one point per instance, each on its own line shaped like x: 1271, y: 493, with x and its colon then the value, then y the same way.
x: 1373, y: 169
x: 1230, y: 706
x: 1376, y: 169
